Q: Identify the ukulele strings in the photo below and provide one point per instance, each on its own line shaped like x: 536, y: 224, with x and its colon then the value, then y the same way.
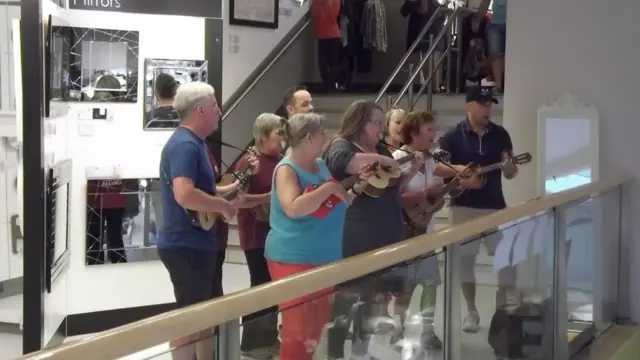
x: 437, y: 157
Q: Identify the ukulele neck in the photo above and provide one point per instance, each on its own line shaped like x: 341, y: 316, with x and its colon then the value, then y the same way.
x: 350, y: 181
x: 489, y: 168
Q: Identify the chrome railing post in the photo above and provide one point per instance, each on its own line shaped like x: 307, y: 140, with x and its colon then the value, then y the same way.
x: 410, y: 92
x: 449, y: 45
x: 431, y: 75
x: 560, y: 314
x: 452, y: 303
x: 406, y: 56
x: 389, y: 102
x: 228, y: 341
x: 458, y: 56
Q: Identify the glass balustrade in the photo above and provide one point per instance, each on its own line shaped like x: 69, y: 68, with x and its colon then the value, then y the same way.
x: 537, y: 287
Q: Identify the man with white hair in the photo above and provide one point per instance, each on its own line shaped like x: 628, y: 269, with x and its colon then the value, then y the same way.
x: 187, y: 182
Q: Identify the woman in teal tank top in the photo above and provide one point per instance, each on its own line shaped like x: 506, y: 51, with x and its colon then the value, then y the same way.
x: 300, y: 239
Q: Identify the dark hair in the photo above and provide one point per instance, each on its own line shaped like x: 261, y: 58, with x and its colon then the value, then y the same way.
x: 412, y: 122
x: 356, y: 117
x: 165, y: 86
x: 290, y: 94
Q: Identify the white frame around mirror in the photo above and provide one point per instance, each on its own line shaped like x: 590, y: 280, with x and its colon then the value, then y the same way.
x: 568, y: 145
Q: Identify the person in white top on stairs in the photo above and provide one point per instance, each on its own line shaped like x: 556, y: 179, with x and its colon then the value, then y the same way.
x: 418, y: 130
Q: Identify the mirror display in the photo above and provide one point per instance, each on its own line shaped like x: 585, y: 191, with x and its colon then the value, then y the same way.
x: 123, y: 218
x: 94, y: 64
x: 162, y: 79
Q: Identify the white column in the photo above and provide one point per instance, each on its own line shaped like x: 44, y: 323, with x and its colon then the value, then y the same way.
x: 585, y: 48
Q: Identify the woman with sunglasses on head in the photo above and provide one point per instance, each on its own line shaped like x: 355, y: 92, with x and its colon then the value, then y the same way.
x: 298, y: 240
x: 260, y: 329
x: 358, y: 144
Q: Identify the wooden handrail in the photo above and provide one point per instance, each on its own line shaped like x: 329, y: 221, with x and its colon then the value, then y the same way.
x: 129, y: 339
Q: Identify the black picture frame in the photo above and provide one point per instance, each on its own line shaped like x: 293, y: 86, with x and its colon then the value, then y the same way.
x: 254, y: 23
x: 58, y: 177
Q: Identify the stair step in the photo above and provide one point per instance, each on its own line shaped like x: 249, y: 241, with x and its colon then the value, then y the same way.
x: 11, y: 314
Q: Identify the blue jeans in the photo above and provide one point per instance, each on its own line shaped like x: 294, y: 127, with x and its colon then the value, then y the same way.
x: 497, y: 39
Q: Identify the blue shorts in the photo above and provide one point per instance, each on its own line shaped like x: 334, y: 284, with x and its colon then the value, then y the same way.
x: 497, y: 39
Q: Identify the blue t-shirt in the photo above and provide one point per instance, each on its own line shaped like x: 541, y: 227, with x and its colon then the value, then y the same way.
x: 186, y: 155
x: 499, y: 12
x: 305, y: 240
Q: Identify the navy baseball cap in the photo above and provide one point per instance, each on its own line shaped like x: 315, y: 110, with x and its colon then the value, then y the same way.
x: 482, y: 94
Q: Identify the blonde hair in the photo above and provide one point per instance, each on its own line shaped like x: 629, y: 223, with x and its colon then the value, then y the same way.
x: 264, y: 125
x: 393, y: 114
x: 299, y: 126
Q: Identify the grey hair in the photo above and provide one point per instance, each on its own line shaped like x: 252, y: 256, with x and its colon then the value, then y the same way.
x: 265, y: 123
x: 299, y: 126
x: 189, y: 96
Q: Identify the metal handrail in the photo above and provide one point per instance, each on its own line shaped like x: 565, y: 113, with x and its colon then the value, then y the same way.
x: 413, y: 102
x: 432, y: 47
x: 264, y: 66
x: 406, y: 56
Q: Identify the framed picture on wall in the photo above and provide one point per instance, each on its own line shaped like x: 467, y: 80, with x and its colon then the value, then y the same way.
x: 254, y: 13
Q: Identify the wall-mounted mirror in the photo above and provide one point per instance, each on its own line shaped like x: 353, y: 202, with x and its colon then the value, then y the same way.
x: 162, y: 79
x: 123, y: 218
x: 568, y: 144
x: 94, y: 64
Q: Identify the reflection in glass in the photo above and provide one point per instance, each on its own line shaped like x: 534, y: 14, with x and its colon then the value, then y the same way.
x: 94, y: 64
x: 512, y: 299
x: 121, y: 225
x: 162, y: 79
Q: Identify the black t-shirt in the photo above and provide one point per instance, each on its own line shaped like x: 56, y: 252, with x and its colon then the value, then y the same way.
x: 162, y: 117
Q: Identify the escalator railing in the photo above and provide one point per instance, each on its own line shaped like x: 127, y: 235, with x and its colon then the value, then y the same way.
x: 263, y: 89
x: 449, y: 32
x: 542, y: 239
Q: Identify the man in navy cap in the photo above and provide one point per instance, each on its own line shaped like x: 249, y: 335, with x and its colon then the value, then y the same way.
x: 478, y: 140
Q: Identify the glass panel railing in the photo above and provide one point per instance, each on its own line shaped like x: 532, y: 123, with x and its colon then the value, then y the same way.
x: 534, y: 281
x: 506, y: 284
x: 591, y: 233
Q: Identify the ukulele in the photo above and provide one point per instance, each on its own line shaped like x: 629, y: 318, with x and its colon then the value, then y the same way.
x: 480, y: 171
x: 383, y: 177
x: 261, y: 212
x: 327, y: 207
x: 206, y: 220
x: 419, y: 216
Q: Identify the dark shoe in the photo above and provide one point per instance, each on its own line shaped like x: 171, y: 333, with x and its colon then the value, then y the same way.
x: 257, y: 354
x: 431, y: 341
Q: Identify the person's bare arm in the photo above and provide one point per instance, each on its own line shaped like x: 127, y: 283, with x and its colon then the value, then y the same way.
x: 361, y: 159
x: 294, y: 203
x: 191, y: 198
x: 254, y: 200
x: 222, y: 190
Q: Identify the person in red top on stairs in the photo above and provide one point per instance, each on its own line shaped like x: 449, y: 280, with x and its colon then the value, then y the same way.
x: 260, y: 329
x: 325, y: 19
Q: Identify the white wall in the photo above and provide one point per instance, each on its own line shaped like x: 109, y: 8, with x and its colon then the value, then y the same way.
x: 121, y: 142
x: 586, y: 48
x: 244, y: 48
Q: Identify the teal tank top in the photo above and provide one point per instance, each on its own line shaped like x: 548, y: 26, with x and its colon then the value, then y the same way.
x: 499, y: 12
x: 305, y: 240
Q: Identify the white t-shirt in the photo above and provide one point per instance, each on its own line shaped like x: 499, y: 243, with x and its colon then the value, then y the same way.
x: 419, y: 180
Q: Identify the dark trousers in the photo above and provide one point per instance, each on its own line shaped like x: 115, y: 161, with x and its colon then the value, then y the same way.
x: 329, y: 61
x: 101, y: 222
x: 259, y: 329
x: 217, y: 276
x: 192, y: 274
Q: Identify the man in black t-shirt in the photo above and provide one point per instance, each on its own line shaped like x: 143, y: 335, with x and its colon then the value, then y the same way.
x: 164, y: 115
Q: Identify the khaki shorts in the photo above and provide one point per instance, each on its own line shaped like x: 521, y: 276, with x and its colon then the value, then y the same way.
x: 490, y: 239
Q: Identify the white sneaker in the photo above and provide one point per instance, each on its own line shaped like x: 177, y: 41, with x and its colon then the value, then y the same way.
x: 471, y: 323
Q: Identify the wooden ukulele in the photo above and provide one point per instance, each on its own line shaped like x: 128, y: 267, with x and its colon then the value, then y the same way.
x: 383, y: 177
x: 206, y: 220
x: 480, y: 171
x: 419, y: 216
x: 261, y: 212
x: 327, y: 207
